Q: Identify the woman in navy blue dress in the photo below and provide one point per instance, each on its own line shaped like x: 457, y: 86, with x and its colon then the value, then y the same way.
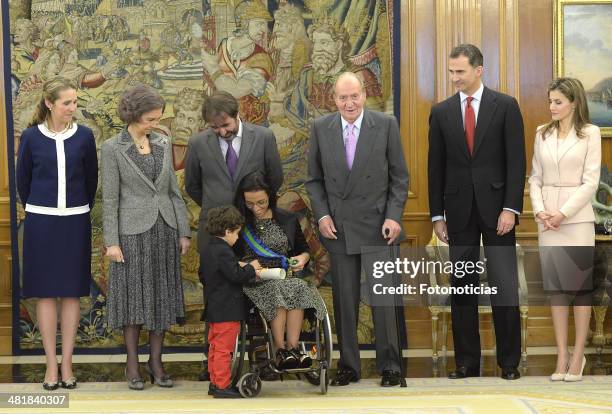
x: 57, y: 176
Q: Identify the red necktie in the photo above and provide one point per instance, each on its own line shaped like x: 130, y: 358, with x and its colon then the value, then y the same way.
x: 470, y: 124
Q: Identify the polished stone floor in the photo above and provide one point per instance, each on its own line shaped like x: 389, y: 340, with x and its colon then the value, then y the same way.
x: 109, y: 368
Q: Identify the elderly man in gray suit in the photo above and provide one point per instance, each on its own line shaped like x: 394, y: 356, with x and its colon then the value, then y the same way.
x: 358, y: 185
x: 219, y: 157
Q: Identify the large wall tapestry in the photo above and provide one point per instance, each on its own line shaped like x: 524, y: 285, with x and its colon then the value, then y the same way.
x: 279, y: 58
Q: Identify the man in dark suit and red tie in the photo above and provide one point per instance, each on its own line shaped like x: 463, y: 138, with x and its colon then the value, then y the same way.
x: 476, y: 181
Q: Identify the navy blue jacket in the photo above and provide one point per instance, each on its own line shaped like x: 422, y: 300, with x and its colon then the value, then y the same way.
x: 58, y: 174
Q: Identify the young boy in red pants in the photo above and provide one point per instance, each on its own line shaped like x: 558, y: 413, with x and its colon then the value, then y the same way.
x: 223, y: 277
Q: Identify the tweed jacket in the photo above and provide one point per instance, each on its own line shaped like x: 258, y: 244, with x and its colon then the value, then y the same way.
x: 132, y: 202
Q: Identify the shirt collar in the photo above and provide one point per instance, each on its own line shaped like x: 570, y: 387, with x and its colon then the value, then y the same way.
x: 239, y: 134
x: 477, y: 95
x: 357, y: 122
x: 67, y: 133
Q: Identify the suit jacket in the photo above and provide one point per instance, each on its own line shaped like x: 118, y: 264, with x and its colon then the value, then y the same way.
x: 207, y: 179
x: 566, y: 180
x: 358, y: 200
x: 223, y: 279
x: 493, y: 177
x: 132, y: 202
x: 42, y: 189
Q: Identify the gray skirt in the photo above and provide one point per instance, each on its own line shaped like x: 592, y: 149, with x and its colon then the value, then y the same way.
x: 147, y: 289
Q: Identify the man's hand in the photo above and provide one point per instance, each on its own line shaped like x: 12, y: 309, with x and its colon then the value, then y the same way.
x: 505, y: 222
x: 391, y: 230
x: 327, y: 228
x: 440, y: 230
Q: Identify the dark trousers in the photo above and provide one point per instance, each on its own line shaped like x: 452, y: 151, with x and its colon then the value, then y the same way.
x: 502, y: 273
x: 346, y: 290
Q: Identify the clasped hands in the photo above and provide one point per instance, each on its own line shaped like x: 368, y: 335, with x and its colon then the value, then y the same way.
x: 390, y: 229
x: 551, y: 221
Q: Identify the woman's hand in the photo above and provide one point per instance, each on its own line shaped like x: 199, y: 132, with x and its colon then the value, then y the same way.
x: 298, y: 262
x: 555, y: 220
x: 115, y: 254
x: 543, y: 215
x: 184, y: 243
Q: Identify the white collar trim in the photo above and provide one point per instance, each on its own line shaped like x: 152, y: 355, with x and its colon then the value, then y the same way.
x: 58, y: 136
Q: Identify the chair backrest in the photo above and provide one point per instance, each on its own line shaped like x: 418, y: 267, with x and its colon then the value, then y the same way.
x: 437, y: 250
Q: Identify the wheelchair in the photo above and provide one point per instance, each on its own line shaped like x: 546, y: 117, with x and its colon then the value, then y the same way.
x: 255, y: 341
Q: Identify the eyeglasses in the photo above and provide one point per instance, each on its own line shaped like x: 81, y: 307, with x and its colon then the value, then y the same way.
x: 260, y: 203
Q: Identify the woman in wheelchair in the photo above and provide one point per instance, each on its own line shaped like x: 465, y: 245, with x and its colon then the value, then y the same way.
x: 274, y: 237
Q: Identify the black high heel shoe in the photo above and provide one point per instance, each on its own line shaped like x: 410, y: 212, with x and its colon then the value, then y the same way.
x: 69, y: 384
x: 52, y: 385
x: 164, y: 381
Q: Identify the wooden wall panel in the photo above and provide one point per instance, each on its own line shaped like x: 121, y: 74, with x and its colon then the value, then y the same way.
x: 516, y: 38
x: 5, y: 231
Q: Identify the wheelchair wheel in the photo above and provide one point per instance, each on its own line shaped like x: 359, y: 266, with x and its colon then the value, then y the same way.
x: 326, y: 345
x: 237, y: 363
x: 323, y: 380
x: 249, y: 385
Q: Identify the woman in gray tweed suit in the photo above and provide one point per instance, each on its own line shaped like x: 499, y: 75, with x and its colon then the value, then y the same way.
x: 145, y: 230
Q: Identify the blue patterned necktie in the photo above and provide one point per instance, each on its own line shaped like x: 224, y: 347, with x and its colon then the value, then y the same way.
x: 231, y: 158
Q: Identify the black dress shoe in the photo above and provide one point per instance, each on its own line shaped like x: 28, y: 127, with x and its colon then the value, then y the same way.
x: 286, y: 360
x: 390, y: 378
x: 229, y: 392
x: 344, y: 377
x: 304, y: 360
x: 211, y: 388
x: 464, y: 372
x: 510, y: 374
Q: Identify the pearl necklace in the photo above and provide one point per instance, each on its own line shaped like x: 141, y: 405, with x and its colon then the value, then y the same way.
x: 56, y: 133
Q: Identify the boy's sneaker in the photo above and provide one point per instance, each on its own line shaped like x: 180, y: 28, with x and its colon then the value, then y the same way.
x: 229, y: 392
